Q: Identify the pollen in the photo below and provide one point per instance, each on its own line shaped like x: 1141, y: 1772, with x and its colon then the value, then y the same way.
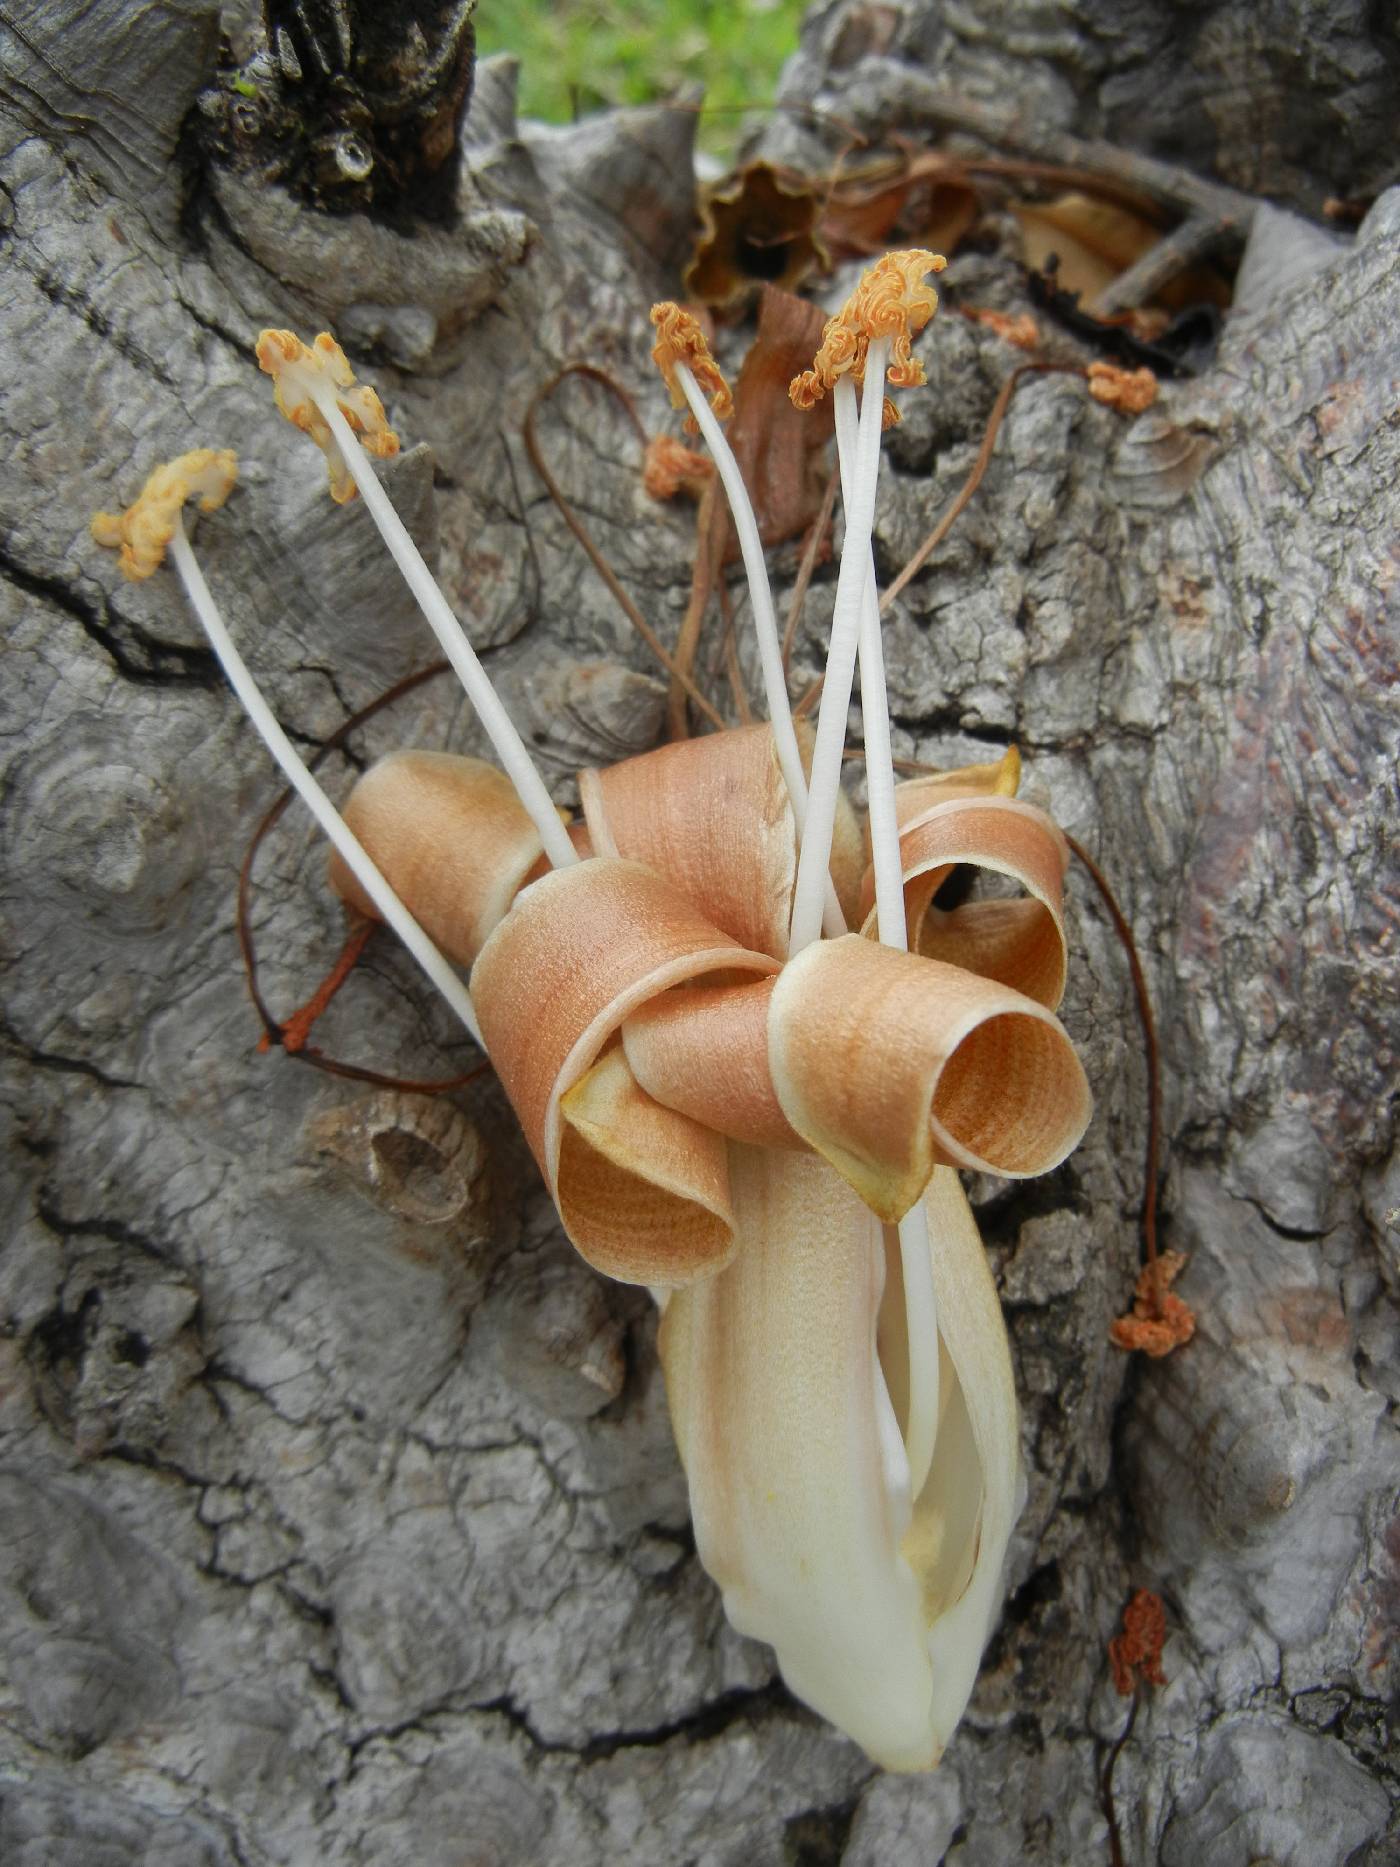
x: 680, y: 341
x: 302, y: 377
x: 143, y: 532
x: 891, y: 301
x: 672, y: 468
x: 1129, y: 391
x: 1159, y: 1321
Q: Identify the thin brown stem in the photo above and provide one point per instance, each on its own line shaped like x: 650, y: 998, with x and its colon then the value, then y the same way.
x: 729, y: 648
x: 1151, y: 1053
x: 711, y: 531
x: 581, y: 532
x: 974, y: 479
x: 808, y: 564
x: 1115, y: 1839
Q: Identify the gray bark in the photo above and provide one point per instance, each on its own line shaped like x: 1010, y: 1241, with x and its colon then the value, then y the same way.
x: 341, y: 1515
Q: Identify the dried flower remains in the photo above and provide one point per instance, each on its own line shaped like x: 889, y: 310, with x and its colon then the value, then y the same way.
x: 736, y: 1098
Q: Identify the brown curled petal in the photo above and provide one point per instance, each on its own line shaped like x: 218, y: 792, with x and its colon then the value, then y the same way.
x: 646, y: 1186
x: 451, y: 837
x: 703, y: 1049
x: 997, y: 778
x: 1025, y: 949
x: 888, y: 1063
x: 712, y: 815
x: 581, y: 950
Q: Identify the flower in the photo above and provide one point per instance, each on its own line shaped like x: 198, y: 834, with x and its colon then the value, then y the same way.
x: 758, y: 1122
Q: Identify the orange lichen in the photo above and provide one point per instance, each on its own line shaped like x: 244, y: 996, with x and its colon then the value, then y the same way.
x: 679, y: 339
x: 1136, y: 1653
x: 1129, y: 391
x: 891, y: 301
x: 1021, y: 330
x: 1160, y: 1321
x: 293, y: 368
x: 145, y: 529
x: 670, y: 468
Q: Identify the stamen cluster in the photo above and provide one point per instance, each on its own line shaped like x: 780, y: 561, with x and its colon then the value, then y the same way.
x: 891, y: 301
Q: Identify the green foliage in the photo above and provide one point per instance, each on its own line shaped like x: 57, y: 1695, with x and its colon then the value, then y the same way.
x: 585, y: 54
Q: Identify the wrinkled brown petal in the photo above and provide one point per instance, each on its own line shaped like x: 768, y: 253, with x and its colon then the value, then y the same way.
x: 888, y: 1063
x: 580, y: 950
x: 450, y: 835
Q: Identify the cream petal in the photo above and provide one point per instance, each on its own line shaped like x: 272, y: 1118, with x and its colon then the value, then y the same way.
x: 793, y: 1454
x: 799, y: 1487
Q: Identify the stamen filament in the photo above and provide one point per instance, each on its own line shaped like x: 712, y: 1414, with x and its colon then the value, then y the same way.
x: 327, y: 816
x: 920, y: 1301
x: 500, y: 729
x: 815, y: 856
x: 770, y: 652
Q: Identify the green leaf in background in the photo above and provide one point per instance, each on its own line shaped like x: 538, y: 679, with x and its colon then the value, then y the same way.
x: 586, y: 54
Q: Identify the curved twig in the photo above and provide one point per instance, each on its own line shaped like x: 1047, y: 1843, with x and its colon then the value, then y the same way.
x: 581, y: 532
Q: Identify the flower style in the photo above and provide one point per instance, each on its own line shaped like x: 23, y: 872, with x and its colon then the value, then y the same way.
x: 757, y: 1113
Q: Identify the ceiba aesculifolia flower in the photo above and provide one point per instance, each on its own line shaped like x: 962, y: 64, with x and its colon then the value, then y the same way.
x: 749, y: 1051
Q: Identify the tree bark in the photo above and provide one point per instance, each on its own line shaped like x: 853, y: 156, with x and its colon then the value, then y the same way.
x: 343, y: 1520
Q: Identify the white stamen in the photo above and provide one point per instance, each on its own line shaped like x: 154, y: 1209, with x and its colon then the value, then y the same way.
x: 770, y: 653
x: 920, y: 1303
x: 356, y: 857
x: 510, y: 747
x: 815, y: 857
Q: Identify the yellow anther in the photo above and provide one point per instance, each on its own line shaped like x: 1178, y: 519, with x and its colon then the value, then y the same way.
x: 145, y: 529
x: 891, y: 301
x: 679, y: 339
x: 293, y: 368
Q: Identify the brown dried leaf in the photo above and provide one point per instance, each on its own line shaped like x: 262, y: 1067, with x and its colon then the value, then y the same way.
x: 758, y: 227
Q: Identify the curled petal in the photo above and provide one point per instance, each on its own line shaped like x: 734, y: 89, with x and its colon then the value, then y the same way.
x: 1020, y: 943
x: 580, y: 950
x: 451, y: 836
x: 878, y: 1611
x: 703, y: 1049
x: 888, y: 1063
x: 647, y: 1187
x: 712, y: 815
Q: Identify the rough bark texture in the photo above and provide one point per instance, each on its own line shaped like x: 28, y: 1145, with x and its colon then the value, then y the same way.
x: 341, y: 1516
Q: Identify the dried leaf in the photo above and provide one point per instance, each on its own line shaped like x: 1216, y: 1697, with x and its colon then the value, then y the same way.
x: 758, y: 226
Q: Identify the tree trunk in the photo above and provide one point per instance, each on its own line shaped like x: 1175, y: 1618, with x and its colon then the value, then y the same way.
x: 343, y: 1520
